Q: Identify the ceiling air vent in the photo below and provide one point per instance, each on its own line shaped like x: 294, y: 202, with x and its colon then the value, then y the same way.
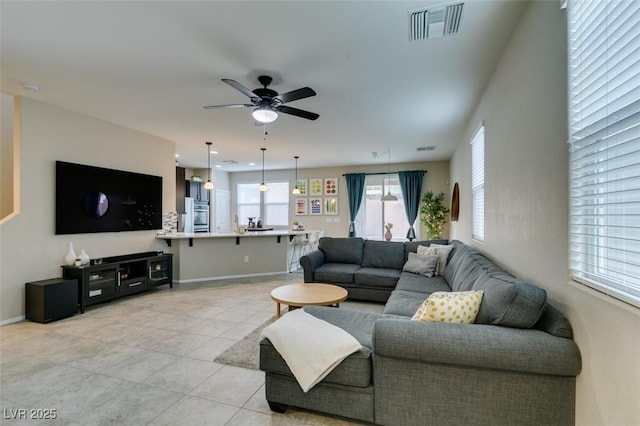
x: 435, y: 22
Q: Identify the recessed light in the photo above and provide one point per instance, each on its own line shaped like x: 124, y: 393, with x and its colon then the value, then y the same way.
x: 214, y: 152
x: 218, y: 166
x: 252, y: 164
x: 31, y: 86
x: 177, y: 155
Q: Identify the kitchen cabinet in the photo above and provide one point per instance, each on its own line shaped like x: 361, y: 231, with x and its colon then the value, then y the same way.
x: 196, y: 191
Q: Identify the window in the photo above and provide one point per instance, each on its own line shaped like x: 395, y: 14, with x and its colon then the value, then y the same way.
x: 276, y: 204
x: 477, y: 184
x: 272, y: 207
x: 374, y: 213
x: 248, y: 201
x: 604, y: 138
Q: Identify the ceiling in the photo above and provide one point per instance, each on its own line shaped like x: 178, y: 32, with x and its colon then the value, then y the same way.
x: 153, y: 65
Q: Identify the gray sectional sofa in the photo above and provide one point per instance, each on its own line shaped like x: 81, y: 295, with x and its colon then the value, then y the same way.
x: 516, y: 365
x: 368, y: 269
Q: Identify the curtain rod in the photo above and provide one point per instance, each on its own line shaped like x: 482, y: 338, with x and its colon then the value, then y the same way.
x: 386, y: 173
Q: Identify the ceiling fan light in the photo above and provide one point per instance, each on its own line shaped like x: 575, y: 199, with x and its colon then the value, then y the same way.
x: 264, y: 114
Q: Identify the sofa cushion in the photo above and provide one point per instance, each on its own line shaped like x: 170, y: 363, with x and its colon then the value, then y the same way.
x: 377, y: 277
x: 465, y: 266
x: 403, y: 303
x: 341, y: 250
x: 421, y: 284
x: 335, y: 273
x: 451, y: 307
x: 383, y: 254
x: 421, y: 264
x: 443, y: 252
x: 553, y: 322
x: 508, y: 301
x: 412, y: 246
x: 356, y: 369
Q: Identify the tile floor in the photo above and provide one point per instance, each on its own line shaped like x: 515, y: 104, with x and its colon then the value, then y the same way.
x: 146, y: 359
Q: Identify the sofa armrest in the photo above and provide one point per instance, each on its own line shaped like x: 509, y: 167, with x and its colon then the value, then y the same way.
x: 310, y: 262
x: 477, y: 346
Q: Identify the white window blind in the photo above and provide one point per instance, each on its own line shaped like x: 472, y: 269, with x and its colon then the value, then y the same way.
x: 477, y: 184
x: 276, y: 204
x: 604, y: 137
x: 248, y: 202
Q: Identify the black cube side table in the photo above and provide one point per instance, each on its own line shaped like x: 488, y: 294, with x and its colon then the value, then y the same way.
x: 51, y: 300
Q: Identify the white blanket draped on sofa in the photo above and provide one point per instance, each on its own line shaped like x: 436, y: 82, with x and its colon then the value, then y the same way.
x: 311, y: 347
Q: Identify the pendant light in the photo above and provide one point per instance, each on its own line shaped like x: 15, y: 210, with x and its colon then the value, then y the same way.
x: 208, y: 185
x: 262, y: 186
x: 296, y: 190
x: 389, y: 196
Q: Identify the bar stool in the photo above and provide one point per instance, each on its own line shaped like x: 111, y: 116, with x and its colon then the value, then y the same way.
x: 300, y: 245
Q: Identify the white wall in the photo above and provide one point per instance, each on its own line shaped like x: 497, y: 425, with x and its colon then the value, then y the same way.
x: 525, y: 112
x: 7, y: 155
x: 436, y: 179
x: 29, y: 248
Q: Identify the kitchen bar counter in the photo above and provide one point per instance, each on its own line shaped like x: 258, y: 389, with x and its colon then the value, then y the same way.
x: 277, y: 233
x: 205, y: 256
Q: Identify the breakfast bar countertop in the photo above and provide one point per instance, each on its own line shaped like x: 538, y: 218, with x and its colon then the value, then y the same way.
x: 278, y: 233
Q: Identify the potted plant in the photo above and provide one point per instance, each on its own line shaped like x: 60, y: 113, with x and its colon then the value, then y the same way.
x: 433, y: 214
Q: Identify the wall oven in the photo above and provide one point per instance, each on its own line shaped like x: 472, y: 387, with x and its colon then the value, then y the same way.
x: 200, y: 216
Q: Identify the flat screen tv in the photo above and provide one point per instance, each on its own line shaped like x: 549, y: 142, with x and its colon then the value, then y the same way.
x: 94, y: 199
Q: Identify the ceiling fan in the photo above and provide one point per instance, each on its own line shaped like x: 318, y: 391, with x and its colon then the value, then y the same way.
x: 267, y: 103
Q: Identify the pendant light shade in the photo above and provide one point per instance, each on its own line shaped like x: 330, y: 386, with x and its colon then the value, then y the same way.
x: 264, y: 114
x: 388, y: 196
x: 296, y: 190
x: 262, y: 186
x: 208, y: 185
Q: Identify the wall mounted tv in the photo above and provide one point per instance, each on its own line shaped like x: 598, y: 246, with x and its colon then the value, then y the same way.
x: 94, y: 199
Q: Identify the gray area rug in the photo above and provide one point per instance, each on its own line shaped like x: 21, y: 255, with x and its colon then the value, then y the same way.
x: 246, y: 353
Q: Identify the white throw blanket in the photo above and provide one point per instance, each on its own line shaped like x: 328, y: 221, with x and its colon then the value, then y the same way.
x: 311, y: 347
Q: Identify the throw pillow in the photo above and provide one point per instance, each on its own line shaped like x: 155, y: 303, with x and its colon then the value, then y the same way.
x: 421, y: 265
x: 443, y: 252
x: 442, y: 306
x: 426, y: 250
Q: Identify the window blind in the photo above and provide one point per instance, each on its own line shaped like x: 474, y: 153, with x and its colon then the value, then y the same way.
x: 477, y: 184
x: 604, y: 138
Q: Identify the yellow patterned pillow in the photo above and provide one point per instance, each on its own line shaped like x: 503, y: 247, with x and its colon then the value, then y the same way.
x: 442, y: 306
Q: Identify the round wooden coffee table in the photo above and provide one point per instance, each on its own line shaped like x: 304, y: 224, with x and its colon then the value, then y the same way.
x: 298, y: 295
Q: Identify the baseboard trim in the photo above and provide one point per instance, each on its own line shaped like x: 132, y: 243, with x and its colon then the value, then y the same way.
x: 12, y: 320
x: 227, y: 277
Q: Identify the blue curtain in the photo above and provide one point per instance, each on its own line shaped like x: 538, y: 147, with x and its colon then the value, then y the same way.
x: 411, y: 186
x: 355, y: 190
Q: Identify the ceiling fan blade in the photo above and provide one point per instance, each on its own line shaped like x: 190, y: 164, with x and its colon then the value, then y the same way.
x: 294, y: 95
x: 242, y: 89
x: 297, y: 112
x: 228, y: 106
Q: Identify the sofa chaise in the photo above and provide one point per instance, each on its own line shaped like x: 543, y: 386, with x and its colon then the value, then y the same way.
x: 516, y: 365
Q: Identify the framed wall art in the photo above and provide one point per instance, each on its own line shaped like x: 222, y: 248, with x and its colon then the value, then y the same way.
x: 302, y: 186
x: 331, y: 206
x: 315, y: 206
x: 315, y: 187
x: 302, y: 206
x: 331, y: 187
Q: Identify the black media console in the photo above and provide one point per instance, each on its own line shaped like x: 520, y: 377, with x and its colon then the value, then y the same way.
x: 119, y: 276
